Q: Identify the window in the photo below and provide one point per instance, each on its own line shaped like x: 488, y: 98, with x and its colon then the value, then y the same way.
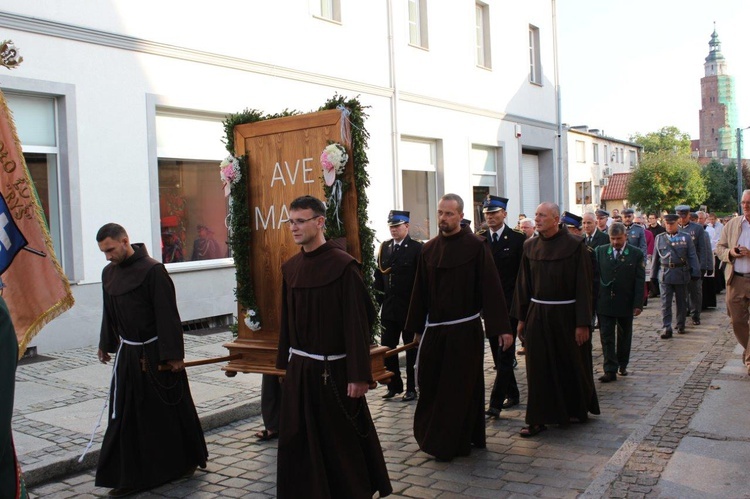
x: 192, y: 206
x: 35, y: 117
x: 329, y: 9
x: 483, y: 35
x: 484, y: 177
x: 633, y: 157
x: 606, y: 154
x: 535, y: 65
x: 621, y: 155
x: 596, y: 153
x: 418, y: 159
x: 418, y: 23
x: 580, y: 151
x: 583, y: 193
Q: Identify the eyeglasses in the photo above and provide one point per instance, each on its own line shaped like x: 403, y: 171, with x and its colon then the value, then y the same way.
x: 299, y: 221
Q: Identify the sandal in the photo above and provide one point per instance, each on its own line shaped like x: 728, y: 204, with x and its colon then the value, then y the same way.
x: 265, y: 435
x: 531, y: 430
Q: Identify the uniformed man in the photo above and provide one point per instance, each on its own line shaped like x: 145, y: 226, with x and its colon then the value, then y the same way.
x: 506, y: 246
x: 394, y: 279
x: 705, y: 260
x: 622, y: 277
x: 593, y: 236
x: 602, y: 220
x: 675, y: 264
x: 572, y: 221
x: 635, y: 233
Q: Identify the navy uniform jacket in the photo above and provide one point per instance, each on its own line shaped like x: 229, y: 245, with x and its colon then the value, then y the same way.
x: 637, y: 237
x: 675, y: 260
x: 394, y: 278
x: 621, y: 281
x: 702, y: 250
x: 507, y: 256
x: 597, y: 239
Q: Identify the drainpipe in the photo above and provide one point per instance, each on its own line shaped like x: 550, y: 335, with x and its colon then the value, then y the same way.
x: 397, y: 187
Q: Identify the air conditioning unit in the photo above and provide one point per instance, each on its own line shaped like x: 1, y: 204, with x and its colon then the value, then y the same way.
x: 603, y: 181
x: 607, y: 171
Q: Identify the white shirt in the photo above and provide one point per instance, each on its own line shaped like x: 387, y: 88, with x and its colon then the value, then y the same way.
x: 499, y: 233
x: 742, y: 265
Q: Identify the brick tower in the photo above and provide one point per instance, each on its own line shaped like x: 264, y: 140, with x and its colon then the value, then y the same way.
x: 718, y: 114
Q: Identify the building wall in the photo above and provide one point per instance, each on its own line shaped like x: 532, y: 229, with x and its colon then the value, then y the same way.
x: 114, y: 66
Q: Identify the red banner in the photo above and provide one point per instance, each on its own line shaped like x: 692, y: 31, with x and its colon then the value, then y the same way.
x: 36, y: 289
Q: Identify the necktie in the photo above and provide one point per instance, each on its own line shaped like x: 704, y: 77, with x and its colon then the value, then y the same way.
x: 495, y: 237
x: 396, y: 246
x: 588, y: 240
x: 617, y: 254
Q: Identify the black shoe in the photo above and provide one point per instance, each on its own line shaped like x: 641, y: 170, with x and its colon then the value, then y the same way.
x: 696, y: 322
x: 623, y: 371
x: 666, y: 334
x: 509, y: 402
x: 608, y: 377
x: 493, y: 413
x: 409, y: 396
x: 390, y: 394
x: 681, y: 330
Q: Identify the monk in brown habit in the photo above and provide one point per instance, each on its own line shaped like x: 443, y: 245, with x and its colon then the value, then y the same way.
x: 154, y: 434
x: 327, y: 441
x: 456, y: 283
x: 552, y: 303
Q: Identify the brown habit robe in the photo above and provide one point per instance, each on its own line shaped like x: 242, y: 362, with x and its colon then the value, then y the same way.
x: 328, y: 446
x: 559, y: 372
x: 156, y: 435
x: 456, y: 278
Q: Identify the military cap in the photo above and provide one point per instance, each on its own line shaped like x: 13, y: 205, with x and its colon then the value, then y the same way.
x: 396, y: 217
x: 466, y: 223
x: 494, y: 203
x: 671, y: 218
x: 601, y: 213
x: 570, y: 219
x: 628, y: 211
x: 682, y: 208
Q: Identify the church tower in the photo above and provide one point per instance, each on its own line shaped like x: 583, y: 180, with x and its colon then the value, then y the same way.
x: 718, y: 114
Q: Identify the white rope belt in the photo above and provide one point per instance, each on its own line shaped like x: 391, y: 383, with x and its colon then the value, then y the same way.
x: 322, y: 358
x: 113, y: 382
x: 428, y: 325
x: 557, y: 302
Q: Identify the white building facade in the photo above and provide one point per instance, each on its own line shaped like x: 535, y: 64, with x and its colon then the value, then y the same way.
x: 592, y: 158
x: 119, y: 105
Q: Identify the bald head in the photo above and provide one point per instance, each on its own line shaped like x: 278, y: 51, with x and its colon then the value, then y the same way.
x: 589, y: 223
x: 547, y: 218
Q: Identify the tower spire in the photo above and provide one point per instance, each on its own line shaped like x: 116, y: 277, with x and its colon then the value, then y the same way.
x: 715, y: 62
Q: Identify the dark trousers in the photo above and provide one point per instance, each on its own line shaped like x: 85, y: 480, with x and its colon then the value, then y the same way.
x: 616, y: 341
x: 270, y: 401
x: 505, y: 385
x: 392, y: 332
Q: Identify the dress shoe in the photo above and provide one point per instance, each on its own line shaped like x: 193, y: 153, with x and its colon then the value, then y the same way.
x: 623, y: 371
x: 608, y: 377
x: 409, y: 396
x: 696, y: 322
x: 681, y: 330
x: 390, y: 394
x: 509, y: 402
x: 493, y: 413
x: 666, y: 334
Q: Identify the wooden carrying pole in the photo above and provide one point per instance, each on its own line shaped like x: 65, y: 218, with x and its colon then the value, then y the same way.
x: 203, y: 362
x: 402, y: 348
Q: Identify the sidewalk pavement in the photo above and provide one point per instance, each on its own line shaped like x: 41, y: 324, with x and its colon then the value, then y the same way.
x: 675, y: 427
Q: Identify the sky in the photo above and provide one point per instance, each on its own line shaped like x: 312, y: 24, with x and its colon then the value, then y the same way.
x: 630, y: 66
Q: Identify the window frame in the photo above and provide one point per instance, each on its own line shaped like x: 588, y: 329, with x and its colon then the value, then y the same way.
x: 483, y: 55
x: 327, y: 10
x: 535, y: 60
x: 68, y: 175
x: 418, y: 25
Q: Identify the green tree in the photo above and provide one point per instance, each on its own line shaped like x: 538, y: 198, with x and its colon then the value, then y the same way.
x: 668, y: 138
x: 664, y: 180
x: 721, y: 184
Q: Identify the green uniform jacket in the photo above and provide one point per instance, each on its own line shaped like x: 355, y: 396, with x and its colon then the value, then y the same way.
x: 622, y: 281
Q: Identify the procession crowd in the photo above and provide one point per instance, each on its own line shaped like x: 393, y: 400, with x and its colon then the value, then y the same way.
x: 547, y: 284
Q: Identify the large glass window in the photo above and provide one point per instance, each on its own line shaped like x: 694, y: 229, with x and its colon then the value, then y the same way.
x: 419, y: 186
x: 36, y: 123
x: 580, y: 151
x: 484, y: 174
x: 192, y: 206
x: 482, y: 28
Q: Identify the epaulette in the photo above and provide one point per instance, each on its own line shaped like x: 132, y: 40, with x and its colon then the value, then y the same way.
x: 519, y: 231
x: 481, y: 232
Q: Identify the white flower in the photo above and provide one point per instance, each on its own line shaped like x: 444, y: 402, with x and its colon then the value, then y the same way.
x: 250, y: 323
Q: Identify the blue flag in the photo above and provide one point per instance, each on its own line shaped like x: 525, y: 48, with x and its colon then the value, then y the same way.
x: 11, y: 239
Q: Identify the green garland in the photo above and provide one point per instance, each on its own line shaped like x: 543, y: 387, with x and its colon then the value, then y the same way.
x: 240, y: 234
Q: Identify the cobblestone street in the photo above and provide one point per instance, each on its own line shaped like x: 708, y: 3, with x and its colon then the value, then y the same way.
x: 621, y: 453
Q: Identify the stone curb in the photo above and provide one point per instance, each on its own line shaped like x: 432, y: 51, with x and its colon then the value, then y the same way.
x: 41, y: 473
